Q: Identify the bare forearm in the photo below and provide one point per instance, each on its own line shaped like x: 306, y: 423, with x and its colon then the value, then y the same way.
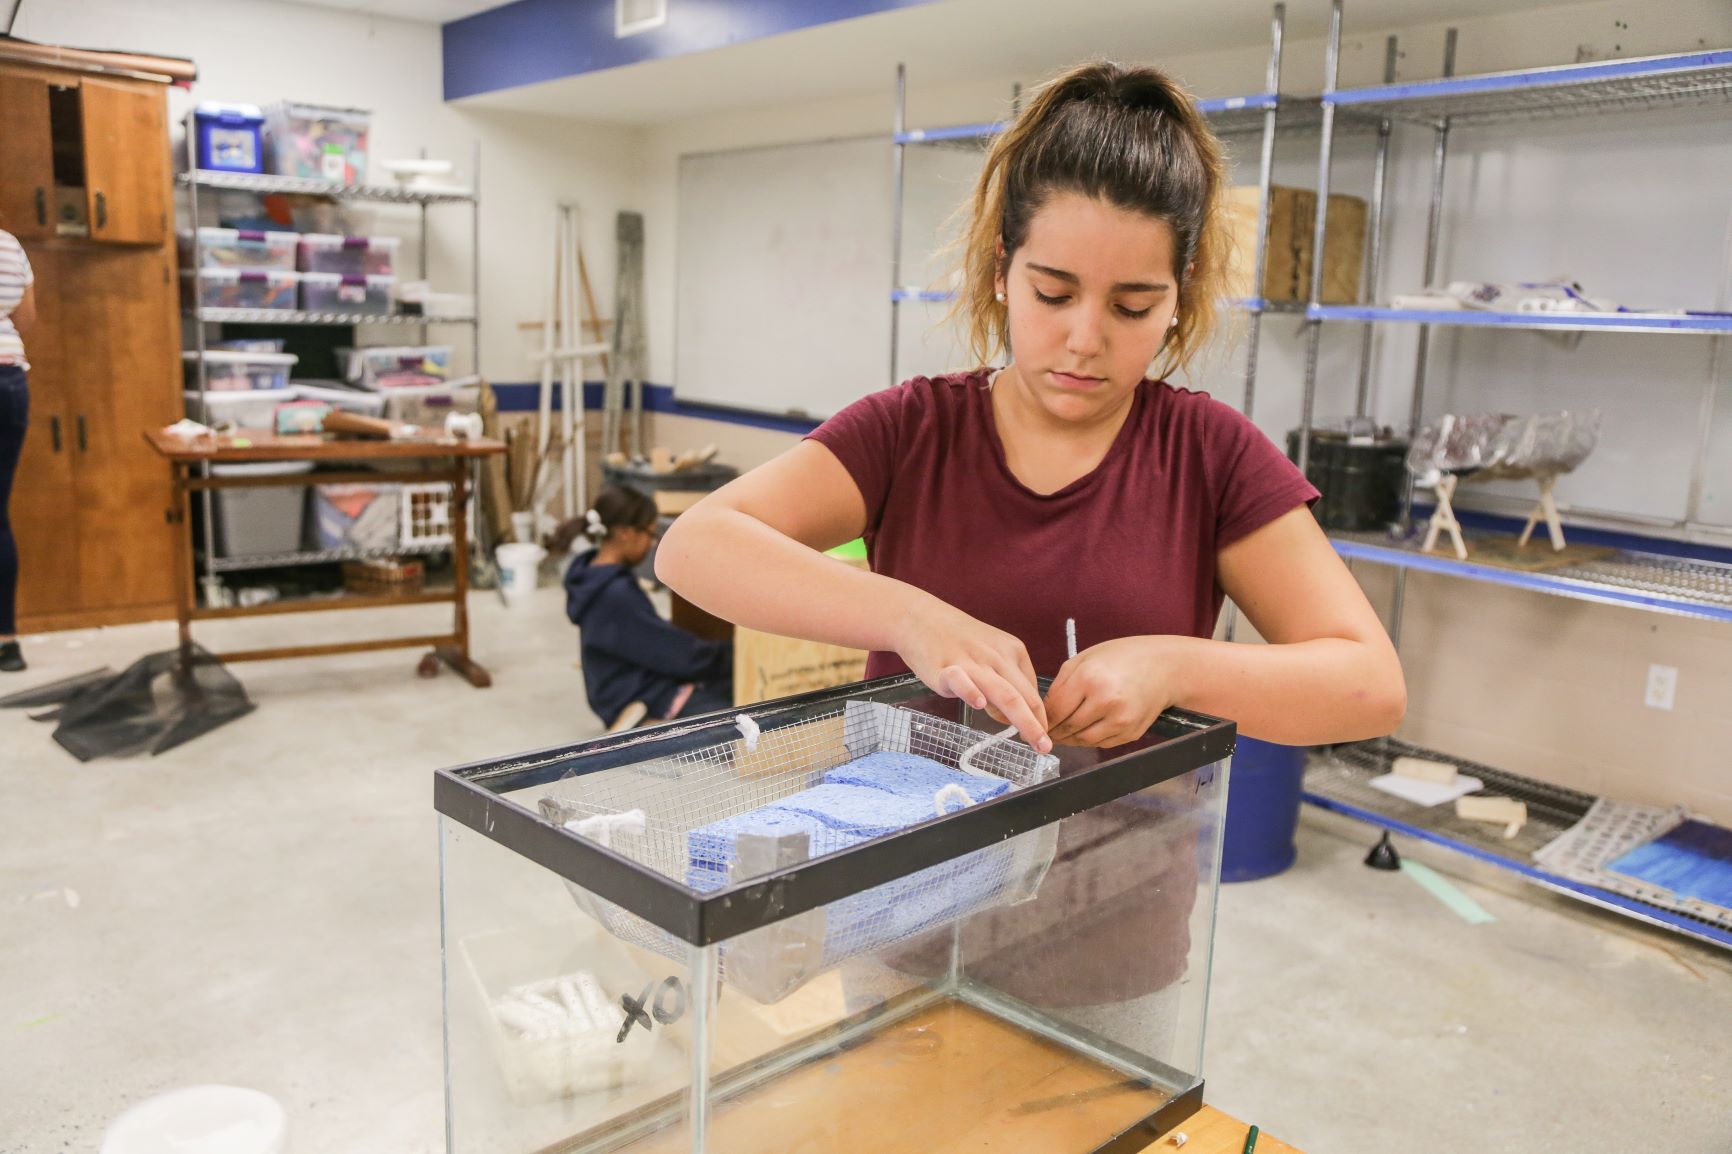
x: 1304, y: 693
x: 740, y: 569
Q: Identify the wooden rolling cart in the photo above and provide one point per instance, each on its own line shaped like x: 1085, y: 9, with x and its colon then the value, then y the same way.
x: 447, y: 460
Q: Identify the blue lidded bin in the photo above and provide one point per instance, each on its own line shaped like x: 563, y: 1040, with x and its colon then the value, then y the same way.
x: 1262, y: 809
x: 230, y: 137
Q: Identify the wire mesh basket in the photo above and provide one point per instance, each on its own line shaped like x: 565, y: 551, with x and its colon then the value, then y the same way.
x: 661, y: 814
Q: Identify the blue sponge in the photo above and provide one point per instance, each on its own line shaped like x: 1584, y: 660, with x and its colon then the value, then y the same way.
x: 911, y: 775
x: 858, y: 811
x: 712, y: 846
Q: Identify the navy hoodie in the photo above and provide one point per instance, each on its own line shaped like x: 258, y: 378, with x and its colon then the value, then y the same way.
x: 629, y: 653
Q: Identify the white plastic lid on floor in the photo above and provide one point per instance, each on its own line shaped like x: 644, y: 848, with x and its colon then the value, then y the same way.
x: 200, y: 1120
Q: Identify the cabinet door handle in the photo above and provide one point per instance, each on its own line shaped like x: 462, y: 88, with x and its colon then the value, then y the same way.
x: 101, y: 210
x: 41, y: 206
x: 83, y: 441
x: 54, y: 432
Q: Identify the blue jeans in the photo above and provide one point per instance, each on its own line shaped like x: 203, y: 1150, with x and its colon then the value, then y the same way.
x: 14, y: 420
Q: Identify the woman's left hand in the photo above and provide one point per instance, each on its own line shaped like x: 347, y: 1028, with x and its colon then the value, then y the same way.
x: 1111, y: 693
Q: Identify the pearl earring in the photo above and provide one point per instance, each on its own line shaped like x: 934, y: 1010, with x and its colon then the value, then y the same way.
x: 999, y: 297
x: 1173, y: 323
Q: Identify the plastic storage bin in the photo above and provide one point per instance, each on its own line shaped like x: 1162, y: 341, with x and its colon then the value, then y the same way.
x: 241, y: 248
x: 358, y: 516
x: 317, y: 142
x: 430, y: 406
x: 329, y: 292
x: 349, y: 400
x: 857, y: 921
x: 233, y: 288
x: 263, y: 521
x: 227, y: 371
x: 396, y: 366
x: 248, y: 409
x: 349, y: 255
x: 230, y: 136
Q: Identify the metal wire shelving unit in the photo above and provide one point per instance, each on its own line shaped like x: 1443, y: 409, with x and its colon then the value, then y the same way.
x: 1260, y: 116
x: 195, y: 179
x: 1633, y: 579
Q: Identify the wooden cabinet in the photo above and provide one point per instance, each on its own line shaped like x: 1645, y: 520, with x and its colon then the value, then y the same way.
x: 26, y: 157
x: 91, y: 500
x: 125, y: 162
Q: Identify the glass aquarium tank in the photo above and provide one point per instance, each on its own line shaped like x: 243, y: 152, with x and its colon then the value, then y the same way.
x: 859, y: 919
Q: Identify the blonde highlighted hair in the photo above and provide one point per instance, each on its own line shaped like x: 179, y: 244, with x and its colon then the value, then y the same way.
x: 1130, y: 136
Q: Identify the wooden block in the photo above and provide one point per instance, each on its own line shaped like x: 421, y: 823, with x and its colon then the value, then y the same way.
x: 1292, y: 225
x: 673, y: 502
x: 1420, y: 769
x: 1291, y: 219
x: 767, y: 666
x: 1343, y: 251
x: 1504, y: 811
x: 661, y: 459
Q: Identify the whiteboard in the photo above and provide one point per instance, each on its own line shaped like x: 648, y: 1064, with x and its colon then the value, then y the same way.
x: 784, y: 272
x: 783, y: 265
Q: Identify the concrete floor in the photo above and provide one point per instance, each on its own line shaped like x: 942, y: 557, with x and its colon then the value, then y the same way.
x: 260, y: 907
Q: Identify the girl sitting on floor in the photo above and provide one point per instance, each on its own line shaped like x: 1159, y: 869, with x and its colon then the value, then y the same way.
x: 630, y: 654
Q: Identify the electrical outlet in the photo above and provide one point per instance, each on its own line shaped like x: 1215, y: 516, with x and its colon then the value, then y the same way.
x: 1662, y: 686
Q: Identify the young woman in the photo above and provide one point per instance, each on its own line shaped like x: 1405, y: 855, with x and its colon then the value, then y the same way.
x: 996, y: 504
x: 630, y: 655
x: 17, y: 310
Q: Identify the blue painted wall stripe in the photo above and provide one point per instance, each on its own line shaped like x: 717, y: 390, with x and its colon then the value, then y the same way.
x: 525, y: 397
x: 531, y: 41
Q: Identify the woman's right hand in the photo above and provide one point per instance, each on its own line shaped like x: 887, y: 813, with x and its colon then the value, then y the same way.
x: 957, y: 656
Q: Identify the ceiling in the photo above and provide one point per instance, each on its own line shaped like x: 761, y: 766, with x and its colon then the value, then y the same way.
x: 950, y: 41
x: 427, y: 11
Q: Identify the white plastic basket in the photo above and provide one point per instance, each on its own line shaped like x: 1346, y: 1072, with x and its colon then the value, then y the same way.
x: 426, y: 514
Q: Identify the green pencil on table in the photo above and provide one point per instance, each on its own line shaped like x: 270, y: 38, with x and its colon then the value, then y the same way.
x: 1251, y: 1140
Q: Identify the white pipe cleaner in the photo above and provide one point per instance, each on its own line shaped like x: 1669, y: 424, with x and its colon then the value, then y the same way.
x: 601, y: 827
x: 949, y: 793
x: 749, y: 731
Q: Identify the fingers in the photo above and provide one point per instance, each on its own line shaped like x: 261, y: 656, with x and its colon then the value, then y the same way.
x: 1089, y: 715
x: 1102, y: 734
x: 1015, y: 708
x: 1063, y: 700
x: 954, y: 681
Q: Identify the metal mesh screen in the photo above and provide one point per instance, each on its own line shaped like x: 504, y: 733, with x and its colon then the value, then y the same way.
x: 687, y: 792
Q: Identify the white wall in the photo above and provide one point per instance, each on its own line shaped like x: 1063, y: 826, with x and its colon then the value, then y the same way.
x: 257, y: 51
x: 1565, y: 701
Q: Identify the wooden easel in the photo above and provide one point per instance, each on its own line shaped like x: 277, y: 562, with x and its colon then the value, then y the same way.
x: 1548, y: 510
x: 1443, y: 518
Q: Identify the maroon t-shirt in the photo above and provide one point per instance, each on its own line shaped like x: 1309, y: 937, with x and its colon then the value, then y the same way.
x: 1127, y: 550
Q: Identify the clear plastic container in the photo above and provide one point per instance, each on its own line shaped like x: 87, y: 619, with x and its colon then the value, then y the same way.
x: 317, y: 142
x: 349, y: 255
x: 358, y: 516
x: 261, y: 521
x: 430, y: 406
x: 862, y: 921
x: 349, y: 400
x: 396, y: 366
x: 329, y: 292
x: 227, y: 371
x: 253, y: 409
x: 233, y: 288
x: 241, y: 248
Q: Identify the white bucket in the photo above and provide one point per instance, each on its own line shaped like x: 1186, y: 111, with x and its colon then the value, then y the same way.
x: 519, y: 567
x: 200, y: 1120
